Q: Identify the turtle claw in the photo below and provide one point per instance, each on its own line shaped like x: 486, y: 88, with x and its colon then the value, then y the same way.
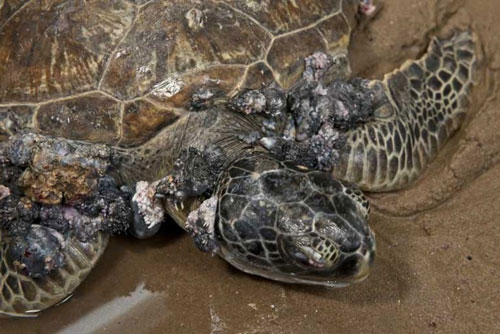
x: 201, y: 225
x: 366, y: 7
x: 139, y: 228
x: 148, y: 210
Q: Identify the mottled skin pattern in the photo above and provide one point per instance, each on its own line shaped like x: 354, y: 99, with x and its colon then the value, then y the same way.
x: 130, y: 74
x: 427, y: 103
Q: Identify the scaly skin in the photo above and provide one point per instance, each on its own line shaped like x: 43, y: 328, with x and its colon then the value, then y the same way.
x: 416, y: 116
x: 427, y: 101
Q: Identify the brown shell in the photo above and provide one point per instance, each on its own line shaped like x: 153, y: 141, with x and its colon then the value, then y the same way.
x: 117, y: 72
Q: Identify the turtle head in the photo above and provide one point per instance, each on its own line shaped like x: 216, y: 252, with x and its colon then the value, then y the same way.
x: 292, y: 224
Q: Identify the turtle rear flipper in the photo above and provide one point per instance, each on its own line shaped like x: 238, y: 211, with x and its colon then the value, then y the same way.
x: 424, y: 103
x: 25, y: 296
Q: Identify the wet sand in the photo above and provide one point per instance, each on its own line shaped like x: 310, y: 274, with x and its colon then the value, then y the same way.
x: 437, y: 269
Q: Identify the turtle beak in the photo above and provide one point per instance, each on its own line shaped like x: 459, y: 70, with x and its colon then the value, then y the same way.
x: 365, y: 265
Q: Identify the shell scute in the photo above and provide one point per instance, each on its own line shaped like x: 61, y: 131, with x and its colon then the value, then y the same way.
x: 142, y: 120
x: 287, y: 54
x: 143, y: 62
x: 171, y: 38
x: 71, y: 42
x: 93, y: 117
x: 283, y: 16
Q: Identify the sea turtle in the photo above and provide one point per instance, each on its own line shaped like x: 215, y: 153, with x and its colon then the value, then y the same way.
x: 236, y: 118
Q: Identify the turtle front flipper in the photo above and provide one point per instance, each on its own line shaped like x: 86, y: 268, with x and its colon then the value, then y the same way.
x: 22, y: 295
x: 421, y: 106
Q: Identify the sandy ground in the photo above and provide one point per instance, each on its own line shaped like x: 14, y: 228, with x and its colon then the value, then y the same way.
x: 437, y: 270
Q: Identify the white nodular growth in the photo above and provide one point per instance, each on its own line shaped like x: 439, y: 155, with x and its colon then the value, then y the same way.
x: 268, y: 142
x: 168, y: 88
x: 4, y: 192
x: 206, y: 214
x: 149, y: 206
x: 201, y: 224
